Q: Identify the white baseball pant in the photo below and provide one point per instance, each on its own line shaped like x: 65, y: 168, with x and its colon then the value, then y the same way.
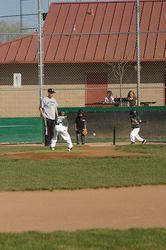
x: 62, y: 130
x: 134, y: 135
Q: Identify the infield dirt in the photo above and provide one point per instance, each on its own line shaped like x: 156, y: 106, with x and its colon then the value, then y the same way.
x: 90, y: 150
x: 115, y: 208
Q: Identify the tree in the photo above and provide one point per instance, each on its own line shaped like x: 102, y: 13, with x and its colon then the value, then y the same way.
x: 119, y: 69
x: 9, y: 30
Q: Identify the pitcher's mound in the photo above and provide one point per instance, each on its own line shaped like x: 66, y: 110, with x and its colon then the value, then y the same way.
x: 86, y: 151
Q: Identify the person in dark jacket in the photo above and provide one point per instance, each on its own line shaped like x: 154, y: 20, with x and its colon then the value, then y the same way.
x: 80, y: 125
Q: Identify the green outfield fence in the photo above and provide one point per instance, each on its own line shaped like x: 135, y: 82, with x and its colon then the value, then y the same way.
x: 21, y: 130
x: 101, y: 121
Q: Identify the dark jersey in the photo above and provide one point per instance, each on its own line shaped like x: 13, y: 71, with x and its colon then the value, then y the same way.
x: 135, y: 120
x: 62, y: 120
x: 80, y: 123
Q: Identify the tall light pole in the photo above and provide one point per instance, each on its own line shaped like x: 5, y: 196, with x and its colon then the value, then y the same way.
x: 40, y: 50
x: 138, y: 51
x: 48, y: 4
x: 21, y: 21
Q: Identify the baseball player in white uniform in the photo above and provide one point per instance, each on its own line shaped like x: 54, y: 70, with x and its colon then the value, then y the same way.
x: 61, y: 127
x: 135, y: 127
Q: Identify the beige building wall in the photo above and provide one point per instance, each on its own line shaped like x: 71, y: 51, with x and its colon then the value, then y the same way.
x: 70, y: 83
x: 70, y: 95
x: 24, y: 101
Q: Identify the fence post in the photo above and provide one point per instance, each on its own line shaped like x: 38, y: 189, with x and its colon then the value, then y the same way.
x: 138, y: 51
x: 40, y: 50
x: 114, y: 135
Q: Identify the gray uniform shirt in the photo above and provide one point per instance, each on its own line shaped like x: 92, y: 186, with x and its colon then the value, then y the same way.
x: 49, y: 105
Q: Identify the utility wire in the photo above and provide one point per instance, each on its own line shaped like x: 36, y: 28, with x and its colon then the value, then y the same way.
x: 33, y: 14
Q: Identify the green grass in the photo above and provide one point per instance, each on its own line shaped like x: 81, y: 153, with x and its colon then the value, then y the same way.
x: 31, y: 174
x: 28, y: 174
x: 158, y: 150
x: 133, y: 239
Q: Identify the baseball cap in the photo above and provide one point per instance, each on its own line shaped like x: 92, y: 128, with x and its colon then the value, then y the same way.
x: 51, y: 91
x: 62, y: 113
x: 133, y: 112
x: 80, y: 111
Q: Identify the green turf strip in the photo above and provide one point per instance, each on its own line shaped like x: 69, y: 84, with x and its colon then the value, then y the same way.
x: 29, y: 174
x: 133, y: 239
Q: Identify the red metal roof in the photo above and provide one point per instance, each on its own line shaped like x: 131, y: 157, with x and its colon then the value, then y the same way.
x: 81, y: 32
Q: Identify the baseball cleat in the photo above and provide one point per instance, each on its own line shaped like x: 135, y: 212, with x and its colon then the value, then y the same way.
x: 132, y: 142
x: 144, y: 141
x: 69, y: 149
x: 52, y: 148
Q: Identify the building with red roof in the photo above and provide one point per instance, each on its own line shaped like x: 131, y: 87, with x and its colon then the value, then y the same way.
x: 83, y: 41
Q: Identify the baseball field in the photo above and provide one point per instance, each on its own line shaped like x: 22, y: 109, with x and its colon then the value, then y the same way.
x: 98, y: 196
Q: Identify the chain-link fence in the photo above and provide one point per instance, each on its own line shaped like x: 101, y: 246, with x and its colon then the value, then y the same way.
x: 78, y: 85
x: 89, y: 67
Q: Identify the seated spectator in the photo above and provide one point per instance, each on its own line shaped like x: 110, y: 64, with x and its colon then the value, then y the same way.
x: 109, y: 98
x: 131, y: 99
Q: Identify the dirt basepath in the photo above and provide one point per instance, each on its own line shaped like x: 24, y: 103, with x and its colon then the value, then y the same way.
x: 83, y: 209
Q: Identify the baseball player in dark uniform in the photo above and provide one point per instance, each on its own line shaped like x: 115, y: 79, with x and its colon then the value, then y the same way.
x: 80, y: 125
x: 135, y: 127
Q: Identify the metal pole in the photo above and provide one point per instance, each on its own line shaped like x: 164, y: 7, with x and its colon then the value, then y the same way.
x: 48, y: 4
x: 114, y: 135
x: 21, y: 21
x: 40, y: 50
x: 138, y: 51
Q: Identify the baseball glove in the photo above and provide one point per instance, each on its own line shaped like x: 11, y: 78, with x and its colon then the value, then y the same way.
x: 85, y: 132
